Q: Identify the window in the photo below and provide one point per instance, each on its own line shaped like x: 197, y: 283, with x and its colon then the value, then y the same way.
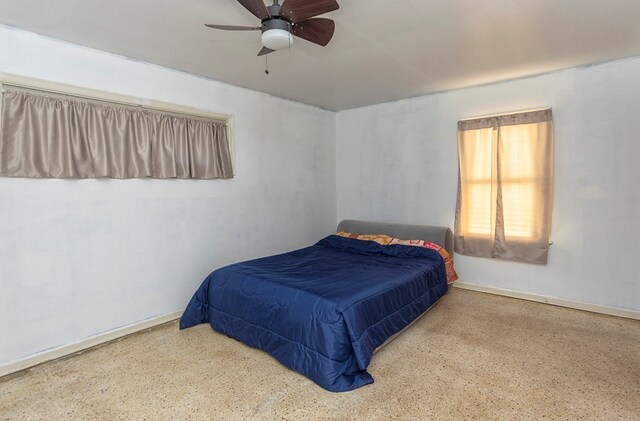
x: 505, y: 186
x: 49, y: 133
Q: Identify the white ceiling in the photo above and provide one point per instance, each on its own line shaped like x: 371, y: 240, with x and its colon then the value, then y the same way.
x: 383, y: 50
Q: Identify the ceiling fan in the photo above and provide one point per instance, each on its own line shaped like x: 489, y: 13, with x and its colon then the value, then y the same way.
x: 280, y: 22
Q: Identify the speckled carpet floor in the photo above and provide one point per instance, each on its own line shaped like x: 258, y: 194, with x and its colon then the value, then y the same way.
x: 473, y: 356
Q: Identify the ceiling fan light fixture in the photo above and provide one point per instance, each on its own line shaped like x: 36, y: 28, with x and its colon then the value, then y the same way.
x: 293, y: 18
x: 277, y: 39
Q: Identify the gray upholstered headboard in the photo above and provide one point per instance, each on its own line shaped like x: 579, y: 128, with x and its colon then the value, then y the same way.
x: 438, y: 235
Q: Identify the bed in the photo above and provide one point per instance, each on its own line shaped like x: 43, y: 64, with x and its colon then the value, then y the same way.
x: 324, y: 310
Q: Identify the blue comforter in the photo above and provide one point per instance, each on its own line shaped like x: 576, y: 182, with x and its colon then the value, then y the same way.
x: 324, y: 309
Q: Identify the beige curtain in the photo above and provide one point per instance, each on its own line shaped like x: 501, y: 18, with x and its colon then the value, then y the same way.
x: 505, y: 186
x: 47, y: 135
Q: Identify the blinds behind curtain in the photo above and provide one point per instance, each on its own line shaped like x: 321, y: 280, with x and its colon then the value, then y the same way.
x: 54, y: 136
x: 505, y: 186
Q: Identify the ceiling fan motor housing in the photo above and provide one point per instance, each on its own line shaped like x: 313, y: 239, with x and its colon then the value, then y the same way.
x: 274, y: 9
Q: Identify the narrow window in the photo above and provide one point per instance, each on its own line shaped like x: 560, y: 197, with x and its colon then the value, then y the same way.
x: 505, y: 186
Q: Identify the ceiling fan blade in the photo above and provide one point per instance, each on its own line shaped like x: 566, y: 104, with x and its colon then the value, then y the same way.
x: 265, y: 51
x: 317, y: 30
x: 256, y: 7
x: 233, y: 27
x: 299, y: 10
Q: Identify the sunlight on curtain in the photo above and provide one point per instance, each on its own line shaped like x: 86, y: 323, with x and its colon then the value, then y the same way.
x: 479, y: 170
x: 505, y: 186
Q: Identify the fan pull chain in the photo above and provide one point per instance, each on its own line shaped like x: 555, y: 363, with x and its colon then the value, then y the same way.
x: 266, y: 64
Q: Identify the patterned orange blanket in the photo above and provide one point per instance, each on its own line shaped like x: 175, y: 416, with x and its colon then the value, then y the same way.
x: 386, y: 240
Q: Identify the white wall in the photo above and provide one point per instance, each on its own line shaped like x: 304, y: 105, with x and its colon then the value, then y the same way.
x: 82, y: 257
x: 398, y: 162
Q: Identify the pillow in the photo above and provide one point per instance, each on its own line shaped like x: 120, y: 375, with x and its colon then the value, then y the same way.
x: 378, y: 238
x: 386, y: 240
x: 452, y: 276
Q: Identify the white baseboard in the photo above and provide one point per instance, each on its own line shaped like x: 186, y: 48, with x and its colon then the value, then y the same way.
x: 54, y: 353
x: 594, y: 308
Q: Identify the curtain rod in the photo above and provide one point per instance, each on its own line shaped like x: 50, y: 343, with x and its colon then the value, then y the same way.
x: 503, y: 114
x: 112, y: 101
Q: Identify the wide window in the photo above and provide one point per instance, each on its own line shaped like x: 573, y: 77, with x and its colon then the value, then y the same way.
x: 52, y: 135
x: 505, y: 186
